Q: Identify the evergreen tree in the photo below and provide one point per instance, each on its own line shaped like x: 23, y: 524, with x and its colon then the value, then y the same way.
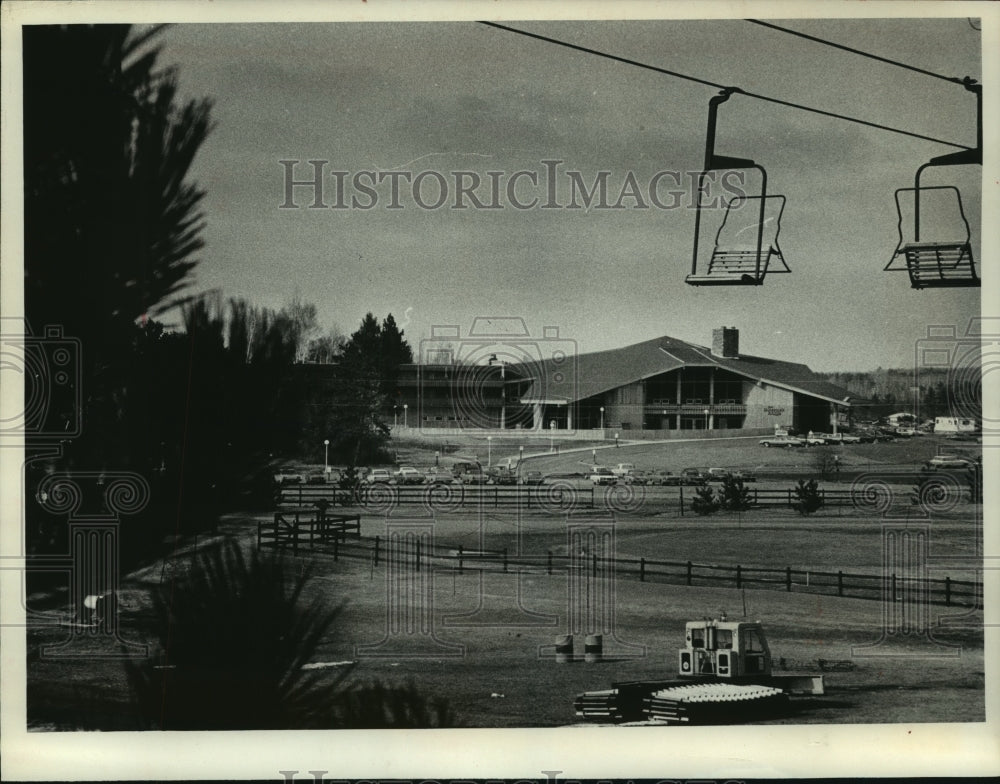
x: 735, y: 497
x: 705, y: 501
x: 808, y: 498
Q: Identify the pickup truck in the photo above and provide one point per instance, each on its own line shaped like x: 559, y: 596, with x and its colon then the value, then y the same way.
x: 603, y: 476
x: 623, y: 469
x: 378, y: 476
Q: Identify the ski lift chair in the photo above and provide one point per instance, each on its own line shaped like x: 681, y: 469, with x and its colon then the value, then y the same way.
x: 735, y: 262
x: 942, y: 263
x: 946, y: 261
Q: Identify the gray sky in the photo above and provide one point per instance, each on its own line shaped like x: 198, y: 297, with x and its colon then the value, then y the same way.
x: 462, y: 96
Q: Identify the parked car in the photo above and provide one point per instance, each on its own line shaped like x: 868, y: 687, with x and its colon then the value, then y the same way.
x: 694, y: 476
x: 670, y: 479
x: 378, y: 476
x: 746, y: 476
x: 286, y: 475
x: 501, y: 475
x: 408, y: 475
x: 785, y: 441
x: 623, y: 469
x: 603, y: 476
x: 533, y: 478
x: 949, y: 461
x: 637, y: 478
x: 437, y: 476
x: 718, y: 474
x: 473, y: 477
x: 819, y: 439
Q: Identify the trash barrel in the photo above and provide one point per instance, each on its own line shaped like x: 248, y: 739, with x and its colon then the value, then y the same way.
x: 564, y: 648
x: 593, y: 650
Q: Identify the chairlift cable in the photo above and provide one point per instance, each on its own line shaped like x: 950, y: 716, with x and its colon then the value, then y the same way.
x: 708, y: 83
x: 953, y: 79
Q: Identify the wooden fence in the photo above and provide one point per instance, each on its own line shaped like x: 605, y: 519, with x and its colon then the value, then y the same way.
x: 444, y: 497
x: 890, y: 587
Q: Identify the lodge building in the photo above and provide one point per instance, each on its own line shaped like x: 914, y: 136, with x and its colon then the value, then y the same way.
x: 649, y: 389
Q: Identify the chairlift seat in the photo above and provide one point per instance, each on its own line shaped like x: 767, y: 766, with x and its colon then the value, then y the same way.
x: 939, y: 264
x: 735, y: 267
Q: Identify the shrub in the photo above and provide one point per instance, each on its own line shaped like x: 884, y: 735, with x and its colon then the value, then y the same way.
x: 735, y: 497
x: 807, y: 496
x: 235, y: 633
x: 705, y: 501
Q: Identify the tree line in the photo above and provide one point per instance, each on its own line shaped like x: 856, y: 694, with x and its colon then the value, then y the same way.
x: 113, y: 234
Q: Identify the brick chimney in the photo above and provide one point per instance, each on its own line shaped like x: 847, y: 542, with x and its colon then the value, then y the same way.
x: 726, y: 342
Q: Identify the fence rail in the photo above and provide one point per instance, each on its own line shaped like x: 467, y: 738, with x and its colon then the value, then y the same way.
x: 561, y: 497
x: 444, y: 497
x: 889, y: 587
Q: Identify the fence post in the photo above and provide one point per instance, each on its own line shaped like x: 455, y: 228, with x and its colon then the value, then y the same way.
x: 789, y: 497
x: 788, y: 578
x: 892, y: 582
x: 505, y: 560
x: 550, y: 562
x: 460, y: 559
x: 418, y: 555
x: 688, y: 572
x: 739, y: 576
x: 377, y: 541
x: 496, y: 499
x: 642, y: 570
x: 840, y: 583
x: 336, y: 548
x: 682, y: 499
x: 947, y: 591
x: 755, y: 496
x: 595, y: 564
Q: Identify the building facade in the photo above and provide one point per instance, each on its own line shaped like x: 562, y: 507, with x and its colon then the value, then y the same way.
x: 664, y: 384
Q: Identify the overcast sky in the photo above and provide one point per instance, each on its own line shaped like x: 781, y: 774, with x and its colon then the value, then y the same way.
x: 462, y: 96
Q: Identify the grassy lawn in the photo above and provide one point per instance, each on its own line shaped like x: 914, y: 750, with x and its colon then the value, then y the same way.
x: 486, y: 633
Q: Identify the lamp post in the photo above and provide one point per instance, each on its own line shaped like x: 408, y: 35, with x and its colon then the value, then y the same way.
x: 602, y: 418
x: 706, y: 419
x: 593, y: 456
x: 616, y: 440
x: 489, y: 451
x: 326, y: 456
x: 520, y: 454
x: 405, y: 406
x: 395, y: 414
x: 552, y: 435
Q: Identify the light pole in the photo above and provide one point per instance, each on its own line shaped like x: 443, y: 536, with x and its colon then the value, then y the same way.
x: 552, y: 435
x: 520, y: 454
x: 616, y: 440
x: 593, y: 456
x: 489, y: 451
x: 326, y: 455
x: 405, y: 406
x: 395, y: 414
x: 706, y: 419
x: 602, y: 418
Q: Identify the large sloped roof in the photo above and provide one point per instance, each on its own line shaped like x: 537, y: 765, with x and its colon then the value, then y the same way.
x: 585, y: 375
